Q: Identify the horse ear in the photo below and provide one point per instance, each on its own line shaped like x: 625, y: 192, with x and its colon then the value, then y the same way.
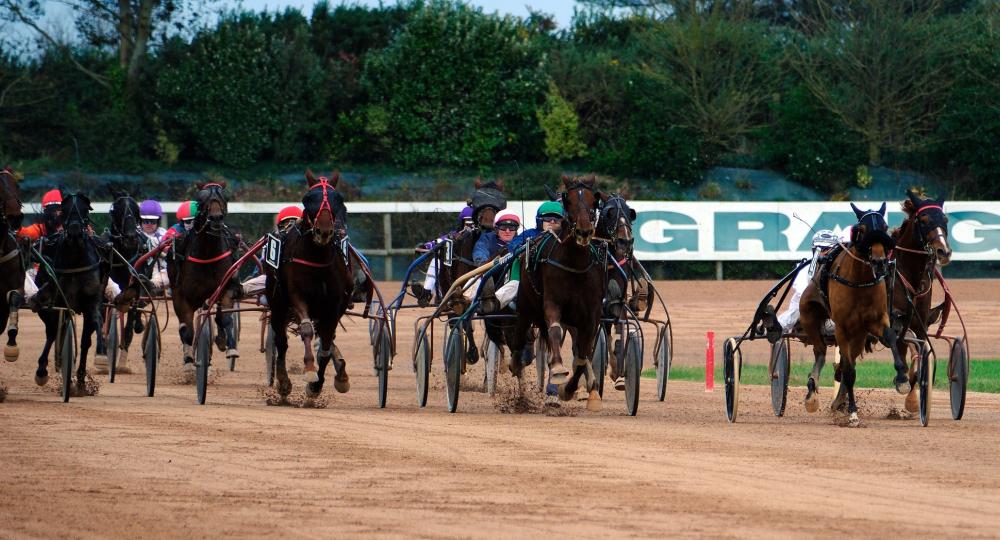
x: 310, y: 178
x: 881, y: 210
x: 590, y: 180
x: 631, y: 214
x: 566, y: 181
x: 478, y: 183
x: 553, y: 196
x: 334, y: 179
x: 500, y: 184
x: 602, y: 196
x: 199, y: 185
x: 858, y: 213
x: 912, y: 195
x: 940, y: 201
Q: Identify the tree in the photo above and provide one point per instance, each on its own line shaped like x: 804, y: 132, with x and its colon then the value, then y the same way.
x: 884, y: 67
x: 561, y: 126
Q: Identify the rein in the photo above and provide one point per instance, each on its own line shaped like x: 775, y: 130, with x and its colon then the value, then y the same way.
x: 217, y: 258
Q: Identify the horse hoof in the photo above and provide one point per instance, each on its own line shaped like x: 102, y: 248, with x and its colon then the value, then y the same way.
x: 41, y: 380
x: 342, y: 386
x: 912, y: 403
x: 620, y: 384
x: 812, y: 403
x: 854, y: 421
x: 310, y: 376
x: 232, y: 353
x: 904, y: 387
x: 582, y: 394
x: 558, y: 374
x: 11, y: 352
x: 594, y: 402
x: 312, y: 391
x: 189, y: 366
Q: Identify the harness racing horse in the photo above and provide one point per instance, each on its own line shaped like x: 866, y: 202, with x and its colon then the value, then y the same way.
x: 614, y: 225
x: 858, y: 305
x: 79, y: 261
x: 564, y: 286
x: 128, y: 244
x: 11, y: 260
x: 921, y: 244
x: 487, y: 201
x: 312, y: 286
x: 198, y: 264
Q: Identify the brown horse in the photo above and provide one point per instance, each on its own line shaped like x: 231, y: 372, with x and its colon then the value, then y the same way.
x: 197, y: 264
x: 312, y: 286
x: 11, y: 260
x: 857, y: 303
x: 921, y: 243
x: 564, y: 286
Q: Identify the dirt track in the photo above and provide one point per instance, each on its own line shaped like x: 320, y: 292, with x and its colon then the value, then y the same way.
x: 121, y: 465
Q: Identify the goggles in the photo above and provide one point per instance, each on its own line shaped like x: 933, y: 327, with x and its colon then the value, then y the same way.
x: 551, y: 219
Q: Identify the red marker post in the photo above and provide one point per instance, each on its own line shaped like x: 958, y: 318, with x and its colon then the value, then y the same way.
x: 710, y: 362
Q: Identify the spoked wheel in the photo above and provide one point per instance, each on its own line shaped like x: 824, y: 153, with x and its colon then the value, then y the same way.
x: 422, y: 367
x: 664, y: 357
x: 66, y: 353
x: 454, y: 353
x: 492, y: 367
x: 373, y: 325
x: 599, y: 360
x: 236, y: 334
x: 383, y: 355
x: 779, y: 376
x: 633, y: 373
x: 925, y: 380
x: 151, y: 352
x: 958, y: 377
x: 732, y: 364
x: 203, y: 358
x: 541, y: 362
x: 270, y: 354
x: 111, y: 345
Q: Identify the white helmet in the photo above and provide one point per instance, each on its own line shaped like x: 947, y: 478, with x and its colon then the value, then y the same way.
x: 825, y: 239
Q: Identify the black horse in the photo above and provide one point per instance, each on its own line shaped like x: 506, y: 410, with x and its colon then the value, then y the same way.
x: 198, y: 262
x: 78, y: 262
x: 626, y: 285
x: 129, y: 244
x: 312, y: 286
x: 11, y: 260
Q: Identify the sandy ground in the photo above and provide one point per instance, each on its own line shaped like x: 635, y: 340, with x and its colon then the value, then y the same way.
x: 122, y: 465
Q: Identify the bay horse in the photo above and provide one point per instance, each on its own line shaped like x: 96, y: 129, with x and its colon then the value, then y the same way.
x: 124, y: 236
x: 312, y: 286
x: 79, y: 261
x: 564, y: 286
x: 858, y: 305
x: 12, y: 257
x: 487, y: 200
x: 196, y: 266
x: 921, y: 245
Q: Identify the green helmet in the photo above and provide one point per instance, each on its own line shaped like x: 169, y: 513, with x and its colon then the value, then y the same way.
x: 550, y: 208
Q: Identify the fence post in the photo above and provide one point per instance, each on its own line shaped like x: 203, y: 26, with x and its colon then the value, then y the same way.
x: 718, y: 270
x: 387, y: 234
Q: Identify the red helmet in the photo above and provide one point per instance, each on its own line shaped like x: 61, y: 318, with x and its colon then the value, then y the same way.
x: 287, y: 213
x: 52, y: 197
x: 508, y: 217
x: 184, y: 210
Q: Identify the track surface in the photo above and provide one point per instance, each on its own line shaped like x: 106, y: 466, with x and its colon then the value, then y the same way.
x: 121, y: 465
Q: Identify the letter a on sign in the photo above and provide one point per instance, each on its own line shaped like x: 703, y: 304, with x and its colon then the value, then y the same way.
x: 272, y: 251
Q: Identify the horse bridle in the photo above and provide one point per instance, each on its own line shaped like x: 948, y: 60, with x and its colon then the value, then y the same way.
x: 215, y: 193
x: 616, y: 203
x: 579, y: 186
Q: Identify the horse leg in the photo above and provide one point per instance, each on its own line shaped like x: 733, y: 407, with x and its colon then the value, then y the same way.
x: 849, y: 376
x: 471, y: 351
x: 890, y: 339
x: 583, y: 340
x: 125, y: 335
x: 226, y: 340
x: 14, y: 300
x: 558, y: 374
x: 186, y: 331
x: 325, y: 336
x: 91, y: 325
x: 519, y: 346
x: 280, y: 328
x: 42, y: 374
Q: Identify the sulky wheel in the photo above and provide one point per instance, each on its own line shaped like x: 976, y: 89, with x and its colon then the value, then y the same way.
x: 203, y: 358
x: 66, y: 353
x: 925, y: 382
x: 732, y: 365
x: 111, y: 345
x: 492, y: 354
x: 422, y: 367
x: 270, y: 354
x: 664, y: 357
x: 541, y: 361
x: 454, y: 354
x: 599, y: 360
x: 383, y: 357
x: 633, y: 373
x: 779, y: 376
x: 151, y: 352
x: 958, y: 377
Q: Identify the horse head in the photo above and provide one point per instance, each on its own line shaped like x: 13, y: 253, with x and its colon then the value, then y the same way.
x: 580, y: 201
x: 614, y: 222
x: 76, y: 215
x: 124, y: 221
x: 325, y: 213
x: 11, y: 199
x: 931, y: 224
x: 213, y: 203
x: 487, y: 201
x: 870, y: 236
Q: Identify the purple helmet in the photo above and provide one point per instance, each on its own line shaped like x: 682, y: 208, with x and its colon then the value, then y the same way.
x: 150, y: 209
x: 466, y: 213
